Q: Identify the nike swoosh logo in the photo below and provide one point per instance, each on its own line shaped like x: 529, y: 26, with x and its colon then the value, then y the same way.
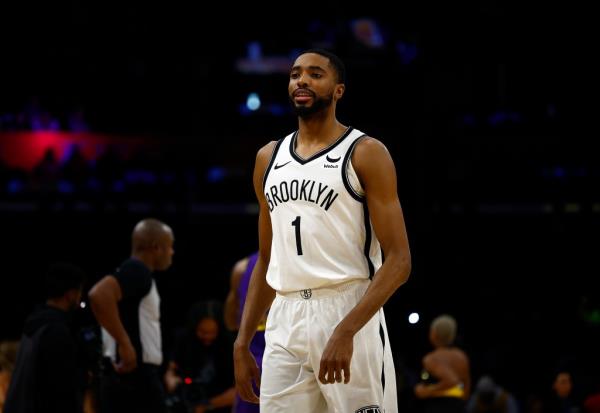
x: 332, y: 160
x: 282, y: 165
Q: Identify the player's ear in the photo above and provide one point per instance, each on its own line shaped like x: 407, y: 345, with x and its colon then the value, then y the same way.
x: 339, y: 90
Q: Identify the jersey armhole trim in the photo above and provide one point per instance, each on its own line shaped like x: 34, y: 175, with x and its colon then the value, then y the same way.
x: 347, y: 158
x: 271, y: 161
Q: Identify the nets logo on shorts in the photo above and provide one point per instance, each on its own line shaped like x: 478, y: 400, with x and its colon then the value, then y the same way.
x: 369, y: 409
x: 306, y: 294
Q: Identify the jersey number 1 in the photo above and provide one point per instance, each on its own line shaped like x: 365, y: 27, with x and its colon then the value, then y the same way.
x: 296, y: 223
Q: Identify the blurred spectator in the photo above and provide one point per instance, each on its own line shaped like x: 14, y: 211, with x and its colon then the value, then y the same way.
x: 562, y: 398
x: 109, y: 169
x: 47, y: 376
x: 199, y: 375
x: 446, y: 379
x: 46, y: 173
x: 75, y: 169
x: 489, y: 397
x: 38, y: 118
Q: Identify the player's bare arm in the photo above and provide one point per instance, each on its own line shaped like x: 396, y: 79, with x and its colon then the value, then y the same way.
x: 260, y: 294
x: 104, y: 299
x: 231, y: 313
x: 377, y: 174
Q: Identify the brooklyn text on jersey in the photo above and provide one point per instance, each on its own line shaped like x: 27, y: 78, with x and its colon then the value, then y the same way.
x: 306, y: 190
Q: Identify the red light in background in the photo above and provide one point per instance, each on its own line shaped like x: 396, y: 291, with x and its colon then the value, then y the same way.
x: 187, y: 380
x: 25, y: 149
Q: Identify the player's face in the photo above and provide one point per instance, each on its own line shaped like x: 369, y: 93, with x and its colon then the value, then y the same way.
x: 313, y: 84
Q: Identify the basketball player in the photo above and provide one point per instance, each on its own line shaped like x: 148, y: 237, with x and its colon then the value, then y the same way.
x: 234, y: 305
x: 328, y: 206
x: 127, y: 306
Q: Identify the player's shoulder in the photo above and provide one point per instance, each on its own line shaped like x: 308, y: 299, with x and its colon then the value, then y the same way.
x: 369, y: 149
x: 240, y: 266
x: 267, y: 150
x: 369, y: 144
x: 264, y: 155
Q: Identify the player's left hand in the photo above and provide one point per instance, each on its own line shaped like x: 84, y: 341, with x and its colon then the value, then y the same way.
x: 336, y: 358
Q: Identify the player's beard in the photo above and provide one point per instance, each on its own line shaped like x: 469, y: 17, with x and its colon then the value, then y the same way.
x: 319, y: 104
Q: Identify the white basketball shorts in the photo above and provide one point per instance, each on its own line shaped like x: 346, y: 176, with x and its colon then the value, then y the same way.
x: 299, y: 325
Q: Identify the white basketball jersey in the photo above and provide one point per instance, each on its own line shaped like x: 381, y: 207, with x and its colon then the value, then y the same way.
x: 322, y: 233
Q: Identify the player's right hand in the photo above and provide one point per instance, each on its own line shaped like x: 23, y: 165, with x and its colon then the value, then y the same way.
x: 128, y: 358
x: 246, y: 371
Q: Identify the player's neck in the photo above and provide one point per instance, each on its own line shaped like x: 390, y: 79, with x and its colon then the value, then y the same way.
x: 318, y: 131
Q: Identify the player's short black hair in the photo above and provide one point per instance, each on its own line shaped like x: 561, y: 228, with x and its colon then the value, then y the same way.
x: 62, y: 277
x: 335, y: 61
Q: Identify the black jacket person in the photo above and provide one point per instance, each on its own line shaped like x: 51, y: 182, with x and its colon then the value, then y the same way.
x: 46, y: 375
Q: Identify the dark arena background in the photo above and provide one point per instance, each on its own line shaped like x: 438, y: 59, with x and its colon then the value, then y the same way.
x: 110, y: 113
